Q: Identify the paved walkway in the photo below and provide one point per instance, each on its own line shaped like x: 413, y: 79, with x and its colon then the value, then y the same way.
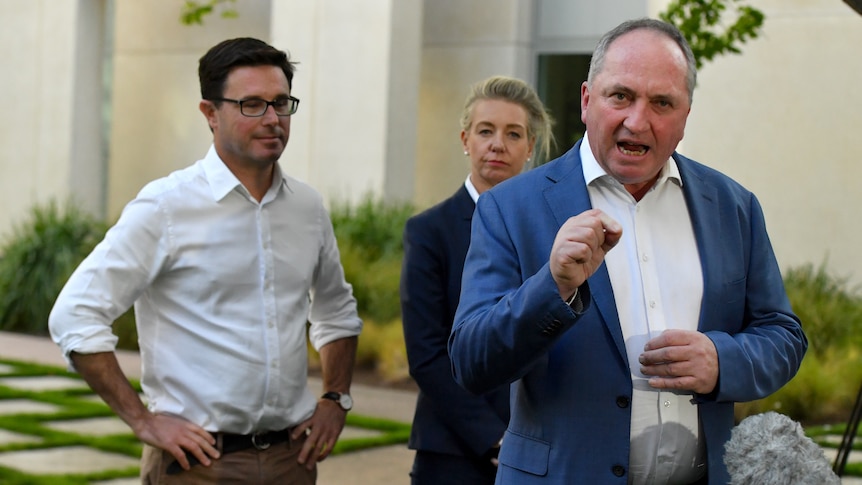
x: 388, y: 465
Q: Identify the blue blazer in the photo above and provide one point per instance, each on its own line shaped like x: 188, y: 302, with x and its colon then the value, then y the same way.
x: 448, y: 418
x: 572, y: 385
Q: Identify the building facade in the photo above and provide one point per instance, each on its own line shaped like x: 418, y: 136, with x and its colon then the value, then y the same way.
x: 101, y: 96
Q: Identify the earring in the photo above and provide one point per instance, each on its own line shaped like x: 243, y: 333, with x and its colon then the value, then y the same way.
x: 465, y: 153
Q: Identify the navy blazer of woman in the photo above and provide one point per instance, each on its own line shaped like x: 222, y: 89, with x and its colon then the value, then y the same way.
x: 448, y: 419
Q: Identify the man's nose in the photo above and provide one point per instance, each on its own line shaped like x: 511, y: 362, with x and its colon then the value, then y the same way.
x: 269, y: 116
x: 637, y: 119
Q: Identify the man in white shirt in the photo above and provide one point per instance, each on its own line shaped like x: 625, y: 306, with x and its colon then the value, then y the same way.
x: 227, y: 262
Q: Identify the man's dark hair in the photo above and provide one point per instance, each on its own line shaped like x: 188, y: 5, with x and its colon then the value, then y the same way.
x: 217, y: 63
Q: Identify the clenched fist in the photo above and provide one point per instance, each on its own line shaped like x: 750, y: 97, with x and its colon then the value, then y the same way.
x: 580, y: 247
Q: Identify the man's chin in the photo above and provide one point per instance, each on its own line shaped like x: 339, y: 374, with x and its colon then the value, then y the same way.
x: 266, y: 158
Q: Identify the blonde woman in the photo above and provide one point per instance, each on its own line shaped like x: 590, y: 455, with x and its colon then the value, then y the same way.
x: 457, y: 434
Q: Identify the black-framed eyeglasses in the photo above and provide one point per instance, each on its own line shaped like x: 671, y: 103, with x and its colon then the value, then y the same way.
x: 256, y: 107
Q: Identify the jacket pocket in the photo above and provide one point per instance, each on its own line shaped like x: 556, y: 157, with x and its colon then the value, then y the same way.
x: 525, y: 453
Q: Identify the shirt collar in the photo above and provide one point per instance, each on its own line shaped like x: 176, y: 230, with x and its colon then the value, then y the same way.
x: 222, y: 181
x: 471, y: 189
x: 593, y: 171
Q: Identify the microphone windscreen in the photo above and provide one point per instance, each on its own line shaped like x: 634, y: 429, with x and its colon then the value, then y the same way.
x: 772, y: 449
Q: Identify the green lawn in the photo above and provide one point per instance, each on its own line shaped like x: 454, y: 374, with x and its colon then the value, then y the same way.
x: 79, y: 404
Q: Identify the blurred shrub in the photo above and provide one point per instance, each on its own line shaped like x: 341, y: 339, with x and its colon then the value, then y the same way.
x: 831, y: 311
x: 37, y: 258
x: 381, y: 348
x: 372, y: 227
x: 369, y: 239
x: 375, y: 283
x: 823, y: 391
x: 828, y: 380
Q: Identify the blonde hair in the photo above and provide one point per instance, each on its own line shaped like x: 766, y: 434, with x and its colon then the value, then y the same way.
x: 514, y: 90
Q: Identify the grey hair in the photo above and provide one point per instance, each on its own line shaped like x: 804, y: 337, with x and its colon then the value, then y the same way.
x: 660, y: 26
x: 505, y: 88
x: 772, y: 449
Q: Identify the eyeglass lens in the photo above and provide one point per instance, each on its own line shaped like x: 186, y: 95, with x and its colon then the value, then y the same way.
x: 257, y: 107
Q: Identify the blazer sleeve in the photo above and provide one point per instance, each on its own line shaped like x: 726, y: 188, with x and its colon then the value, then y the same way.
x: 761, y: 351
x: 511, y: 312
x: 427, y: 321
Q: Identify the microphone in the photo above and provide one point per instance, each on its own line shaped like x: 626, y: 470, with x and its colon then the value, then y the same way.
x: 772, y: 449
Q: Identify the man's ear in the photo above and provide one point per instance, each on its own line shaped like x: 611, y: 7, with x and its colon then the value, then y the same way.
x: 209, y: 111
x: 585, y: 100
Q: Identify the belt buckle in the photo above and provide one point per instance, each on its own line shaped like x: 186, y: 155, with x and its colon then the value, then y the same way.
x: 258, y: 443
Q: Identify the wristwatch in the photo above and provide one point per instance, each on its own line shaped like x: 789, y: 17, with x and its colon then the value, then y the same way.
x: 342, y: 398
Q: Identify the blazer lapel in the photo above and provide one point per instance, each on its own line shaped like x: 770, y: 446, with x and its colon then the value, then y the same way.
x: 465, y: 203
x: 703, y: 210
x: 567, y: 196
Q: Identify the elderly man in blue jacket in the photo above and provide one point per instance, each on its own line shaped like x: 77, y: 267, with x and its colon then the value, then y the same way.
x: 630, y: 294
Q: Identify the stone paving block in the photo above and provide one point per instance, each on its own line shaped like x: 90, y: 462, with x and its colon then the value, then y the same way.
x: 854, y: 457
x: 119, y: 481
x: 8, y: 437
x: 43, y: 383
x: 26, y: 406
x: 350, y: 432
x: 91, y: 426
x: 72, y: 459
x: 387, y: 464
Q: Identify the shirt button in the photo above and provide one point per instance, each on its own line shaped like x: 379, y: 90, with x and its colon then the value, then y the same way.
x: 645, y: 257
x: 618, y: 470
x: 667, y: 404
x: 652, y: 304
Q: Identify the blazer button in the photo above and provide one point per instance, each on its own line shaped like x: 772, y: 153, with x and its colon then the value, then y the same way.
x: 622, y: 401
x: 618, y: 470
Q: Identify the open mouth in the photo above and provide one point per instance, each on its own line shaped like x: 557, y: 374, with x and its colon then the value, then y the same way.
x: 632, y: 149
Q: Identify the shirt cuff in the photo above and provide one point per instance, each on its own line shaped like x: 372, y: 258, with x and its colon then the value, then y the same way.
x: 575, y: 302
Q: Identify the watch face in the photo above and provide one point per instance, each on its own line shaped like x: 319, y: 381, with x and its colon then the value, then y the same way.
x: 346, y: 402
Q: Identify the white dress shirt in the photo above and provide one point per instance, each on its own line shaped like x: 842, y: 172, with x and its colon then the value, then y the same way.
x: 223, y: 288
x: 657, y: 281
x: 471, y: 189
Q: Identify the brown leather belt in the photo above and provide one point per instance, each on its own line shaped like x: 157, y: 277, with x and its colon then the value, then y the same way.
x: 232, y: 443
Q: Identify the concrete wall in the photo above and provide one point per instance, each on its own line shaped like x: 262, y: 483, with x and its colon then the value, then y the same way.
x: 784, y: 119
x: 464, y: 41
x: 382, y: 83
x: 50, y: 92
x: 358, y: 78
x: 156, y: 124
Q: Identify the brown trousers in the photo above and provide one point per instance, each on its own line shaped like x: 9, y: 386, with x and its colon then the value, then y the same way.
x: 275, y: 465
